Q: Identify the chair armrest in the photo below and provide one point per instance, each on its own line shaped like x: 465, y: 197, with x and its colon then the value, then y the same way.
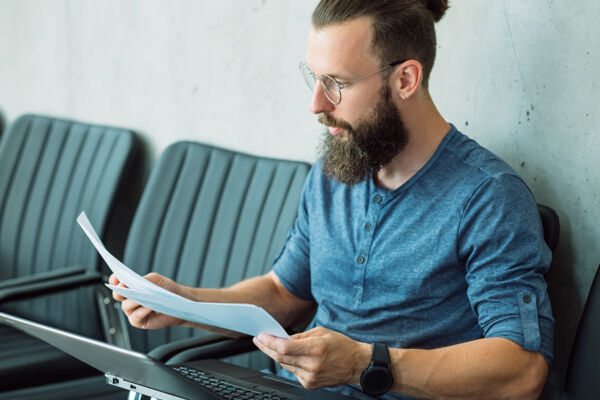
x: 166, y: 351
x: 200, y: 348
x: 41, y: 276
x: 217, y: 349
x: 37, y: 287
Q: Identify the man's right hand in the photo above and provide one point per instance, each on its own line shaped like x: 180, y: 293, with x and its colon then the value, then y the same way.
x: 143, y: 317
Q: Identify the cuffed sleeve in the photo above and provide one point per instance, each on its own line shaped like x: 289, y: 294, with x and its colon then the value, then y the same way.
x: 501, y: 243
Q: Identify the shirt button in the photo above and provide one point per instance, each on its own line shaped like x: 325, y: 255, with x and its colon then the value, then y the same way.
x: 526, y: 299
x: 360, y: 260
x: 377, y: 198
x: 368, y: 227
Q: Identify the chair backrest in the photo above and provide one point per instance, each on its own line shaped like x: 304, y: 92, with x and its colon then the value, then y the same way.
x: 583, y: 377
x: 211, y: 217
x: 551, y: 225
x: 50, y: 170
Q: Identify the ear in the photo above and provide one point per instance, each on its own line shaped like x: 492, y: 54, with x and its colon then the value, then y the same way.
x: 407, y: 78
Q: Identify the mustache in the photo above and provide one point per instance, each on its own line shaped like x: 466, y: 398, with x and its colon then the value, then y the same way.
x: 328, y: 120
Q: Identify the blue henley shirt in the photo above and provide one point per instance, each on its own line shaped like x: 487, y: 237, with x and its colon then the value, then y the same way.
x: 454, y: 254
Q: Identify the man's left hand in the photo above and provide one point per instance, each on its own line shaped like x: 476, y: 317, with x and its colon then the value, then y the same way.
x: 318, y: 357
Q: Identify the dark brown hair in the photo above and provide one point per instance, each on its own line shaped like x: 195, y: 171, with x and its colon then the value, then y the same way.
x: 401, y: 29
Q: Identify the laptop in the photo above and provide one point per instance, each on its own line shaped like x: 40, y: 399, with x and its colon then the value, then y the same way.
x: 205, y: 379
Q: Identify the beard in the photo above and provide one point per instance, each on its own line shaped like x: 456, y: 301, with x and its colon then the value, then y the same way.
x: 372, y: 144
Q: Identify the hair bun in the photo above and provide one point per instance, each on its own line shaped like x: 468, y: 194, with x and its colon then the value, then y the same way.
x: 437, y: 7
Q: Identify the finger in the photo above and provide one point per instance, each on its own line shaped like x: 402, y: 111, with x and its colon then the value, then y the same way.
x: 294, y: 370
x: 166, y: 283
x: 301, y: 335
x: 140, y: 316
x: 317, y: 331
x: 283, y: 346
x: 118, y: 297
x: 304, y: 377
x: 113, y: 280
x: 129, y: 306
x: 293, y: 360
x: 269, y: 351
x: 160, y: 280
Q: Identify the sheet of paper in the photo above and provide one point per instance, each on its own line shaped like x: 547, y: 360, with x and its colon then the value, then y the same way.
x: 162, y: 305
x: 244, y: 318
x: 124, y: 273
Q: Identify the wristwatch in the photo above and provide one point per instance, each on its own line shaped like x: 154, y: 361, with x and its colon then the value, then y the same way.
x: 377, y: 378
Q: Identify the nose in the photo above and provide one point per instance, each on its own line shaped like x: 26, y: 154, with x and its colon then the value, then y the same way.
x: 319, y: 102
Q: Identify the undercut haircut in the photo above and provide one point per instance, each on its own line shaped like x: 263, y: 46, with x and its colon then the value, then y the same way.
x: 401, y: 29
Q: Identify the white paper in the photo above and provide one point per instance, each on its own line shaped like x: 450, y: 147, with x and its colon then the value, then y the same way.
x: 244, y: 318
x: 124, y: 273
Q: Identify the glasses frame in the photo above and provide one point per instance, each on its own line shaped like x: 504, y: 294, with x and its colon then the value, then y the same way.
x: 339, y: 85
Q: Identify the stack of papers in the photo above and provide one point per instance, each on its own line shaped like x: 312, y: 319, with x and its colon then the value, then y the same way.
x: 244, y: 318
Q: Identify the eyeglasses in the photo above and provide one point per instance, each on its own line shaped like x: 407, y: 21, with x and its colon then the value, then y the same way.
x: 331, y: 87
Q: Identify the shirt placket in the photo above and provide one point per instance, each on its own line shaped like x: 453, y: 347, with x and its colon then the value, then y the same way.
x: 367, y: 232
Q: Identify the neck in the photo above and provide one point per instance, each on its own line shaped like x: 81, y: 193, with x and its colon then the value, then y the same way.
x: 426, y: 128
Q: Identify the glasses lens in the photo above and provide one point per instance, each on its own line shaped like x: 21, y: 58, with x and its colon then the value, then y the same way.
x: 308, y: 76
x: 332, y: 90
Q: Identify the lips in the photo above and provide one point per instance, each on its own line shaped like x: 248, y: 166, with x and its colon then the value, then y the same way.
x: 335, y: 130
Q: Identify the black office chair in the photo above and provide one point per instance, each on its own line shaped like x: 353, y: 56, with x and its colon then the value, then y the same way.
x: 583, y: 376
x: 50, y: 170
x: 208, y: 217
x: 551, y: 226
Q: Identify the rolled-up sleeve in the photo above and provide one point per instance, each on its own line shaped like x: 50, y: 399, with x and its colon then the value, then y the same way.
x: 500, y: 241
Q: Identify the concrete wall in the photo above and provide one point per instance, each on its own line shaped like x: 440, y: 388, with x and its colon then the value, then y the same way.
x: 521, y: 77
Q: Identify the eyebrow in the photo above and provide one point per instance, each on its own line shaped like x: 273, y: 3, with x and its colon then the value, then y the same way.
x: 344, y: 76
x: 340, y: 76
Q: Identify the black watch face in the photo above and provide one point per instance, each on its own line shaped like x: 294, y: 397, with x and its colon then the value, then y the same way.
x: 377, y: 380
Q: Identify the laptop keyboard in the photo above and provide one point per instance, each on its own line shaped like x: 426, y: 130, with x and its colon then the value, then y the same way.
x: 225, y: 389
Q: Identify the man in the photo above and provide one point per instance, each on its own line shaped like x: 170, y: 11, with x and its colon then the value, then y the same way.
x: 409, y: 235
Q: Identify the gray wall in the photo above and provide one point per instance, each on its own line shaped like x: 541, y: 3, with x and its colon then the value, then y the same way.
x: 521, y: 77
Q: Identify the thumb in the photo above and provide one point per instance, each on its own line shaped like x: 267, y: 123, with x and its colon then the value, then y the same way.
x: 162, y: 281
x: 317, y: 331
x: 302, y: 335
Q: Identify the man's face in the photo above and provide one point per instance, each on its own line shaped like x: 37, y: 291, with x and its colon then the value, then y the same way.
x: 365, y: 130
x: 369, y: 145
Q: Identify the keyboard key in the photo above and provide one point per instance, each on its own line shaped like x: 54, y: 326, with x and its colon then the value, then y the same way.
x: 225, y: 389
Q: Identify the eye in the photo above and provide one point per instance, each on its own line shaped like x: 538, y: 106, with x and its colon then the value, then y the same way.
x: 330, y: 84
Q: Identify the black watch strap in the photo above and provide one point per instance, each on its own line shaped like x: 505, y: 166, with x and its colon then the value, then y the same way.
x: 377, y: 378
x: 381, y: 355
